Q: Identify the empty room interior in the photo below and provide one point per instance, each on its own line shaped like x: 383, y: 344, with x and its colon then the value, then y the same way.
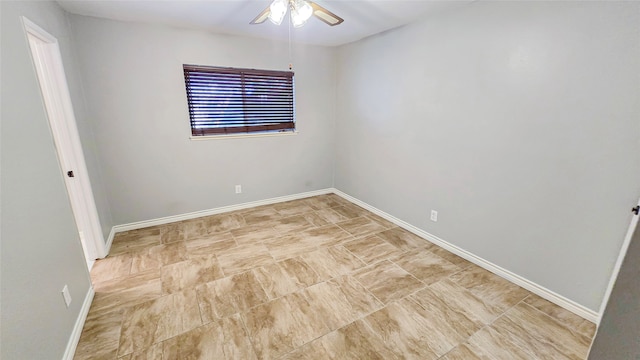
x: 287, y: 179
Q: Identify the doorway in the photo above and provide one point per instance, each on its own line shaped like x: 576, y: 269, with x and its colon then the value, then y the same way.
x: 57, y: 100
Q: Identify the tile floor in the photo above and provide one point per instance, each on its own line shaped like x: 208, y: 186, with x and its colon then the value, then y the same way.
x: 317, y: 278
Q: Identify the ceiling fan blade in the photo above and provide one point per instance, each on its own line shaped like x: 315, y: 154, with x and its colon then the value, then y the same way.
x: 325, y: 15
x: 262, y: 17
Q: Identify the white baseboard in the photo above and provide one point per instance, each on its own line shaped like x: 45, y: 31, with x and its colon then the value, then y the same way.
x: 107, y: 246
x: 541, y: 291
x: 209, y: 212
x: 77, y: 328
x: 504, y: 273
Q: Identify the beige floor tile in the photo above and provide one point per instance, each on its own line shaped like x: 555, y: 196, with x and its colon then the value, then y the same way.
x: 158, y: 256
x: 189, y: 273
x: 204, y: 342
x: 172, y: 232
x: 451, y: 257
x: 490, y: 287
x: 465, y: 352
x: 380, y: 220
x: 341, y: 301
x: 355, y: 341
x: 331, y: 216
x: 448, y: 313
x: 129, y: 282
x: 387, y: 281
x: 464, y: 300
x: 325, y: 236
x: 512, y: 339
x: 276, y: 281
x: 305, y: 314
x: 210, y: 245
x: 488, y: 342
x: 332, y: 261
x: 109, y: 301
x: 565, y: 317
x: 143, y: 261
x: 281, y: 325
x: 221, y: 339
x: 122, y: 293
x: 284, y: 281
x: 325, y: 201
x: 157, y: 320
x: 295, y: 207
x: 403, y: 239
x: 151, y: 353
x: 135, y: 240
x: 288, y: 246
x: 194, y: 228
x: 363, y: 226
x: 425, y: 265
x: 244, y: 257
x: 262, y: 215
x: 316, y: 220
x: 111, y: 267
x: 99, y: 355
x: 300, y: 271
x: 310, y: 351
x: 223, y: 222
x: 350, y: 211
x: 254, y: 234
x: 371, y: 249
x: 292, y: 223
x: 100, y: 336
x: 545, y: 329
x: 409, y: 333
x: 230, y: 295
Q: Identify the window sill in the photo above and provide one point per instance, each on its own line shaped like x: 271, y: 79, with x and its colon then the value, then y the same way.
x: 241, y: 136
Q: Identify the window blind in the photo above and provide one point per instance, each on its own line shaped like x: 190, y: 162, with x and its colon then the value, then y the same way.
x: 230, y: 100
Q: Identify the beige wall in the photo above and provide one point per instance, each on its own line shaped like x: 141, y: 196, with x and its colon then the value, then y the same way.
x: 517, y: 121
x: 135, y: 94
x: 40, y: 250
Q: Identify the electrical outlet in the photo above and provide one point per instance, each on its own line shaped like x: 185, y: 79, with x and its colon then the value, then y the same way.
x: 434, y: 215
x: 238, y: 189
x: 66, y: 295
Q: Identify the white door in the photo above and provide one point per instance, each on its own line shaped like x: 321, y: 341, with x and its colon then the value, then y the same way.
x: 55, y: 93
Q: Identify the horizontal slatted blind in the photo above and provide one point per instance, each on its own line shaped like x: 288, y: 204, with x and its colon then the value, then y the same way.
x: 230, y: 100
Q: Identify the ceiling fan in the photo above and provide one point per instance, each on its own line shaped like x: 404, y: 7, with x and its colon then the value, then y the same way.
x: 301, y: 11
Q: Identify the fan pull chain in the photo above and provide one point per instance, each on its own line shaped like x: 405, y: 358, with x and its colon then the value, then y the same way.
x: 290, y: 56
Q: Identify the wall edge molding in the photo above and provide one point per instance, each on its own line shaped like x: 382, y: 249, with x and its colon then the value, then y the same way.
x: 535, y: 288
x: 213, y: 211
x: 72, y: 344
x: 109, y: 242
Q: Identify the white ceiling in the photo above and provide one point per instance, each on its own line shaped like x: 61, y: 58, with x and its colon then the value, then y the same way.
x: 362, y: 18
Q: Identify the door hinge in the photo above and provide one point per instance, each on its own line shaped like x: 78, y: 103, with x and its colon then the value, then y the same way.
x: 636, y: 209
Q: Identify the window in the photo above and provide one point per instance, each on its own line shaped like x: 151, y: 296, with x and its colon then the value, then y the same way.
x: 232, y: 101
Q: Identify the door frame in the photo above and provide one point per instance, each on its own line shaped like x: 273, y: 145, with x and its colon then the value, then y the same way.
x: 618, y: 264
x: 47, y: 60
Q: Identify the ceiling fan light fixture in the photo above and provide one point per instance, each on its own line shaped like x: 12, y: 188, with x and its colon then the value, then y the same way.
x: 301, y: 11
x: 278, y: 10
x: 327, y: 18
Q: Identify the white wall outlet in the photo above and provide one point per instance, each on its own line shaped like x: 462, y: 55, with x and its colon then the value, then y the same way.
x: 434, y: 215
x: 66, y: 295
x: 238, y: 189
